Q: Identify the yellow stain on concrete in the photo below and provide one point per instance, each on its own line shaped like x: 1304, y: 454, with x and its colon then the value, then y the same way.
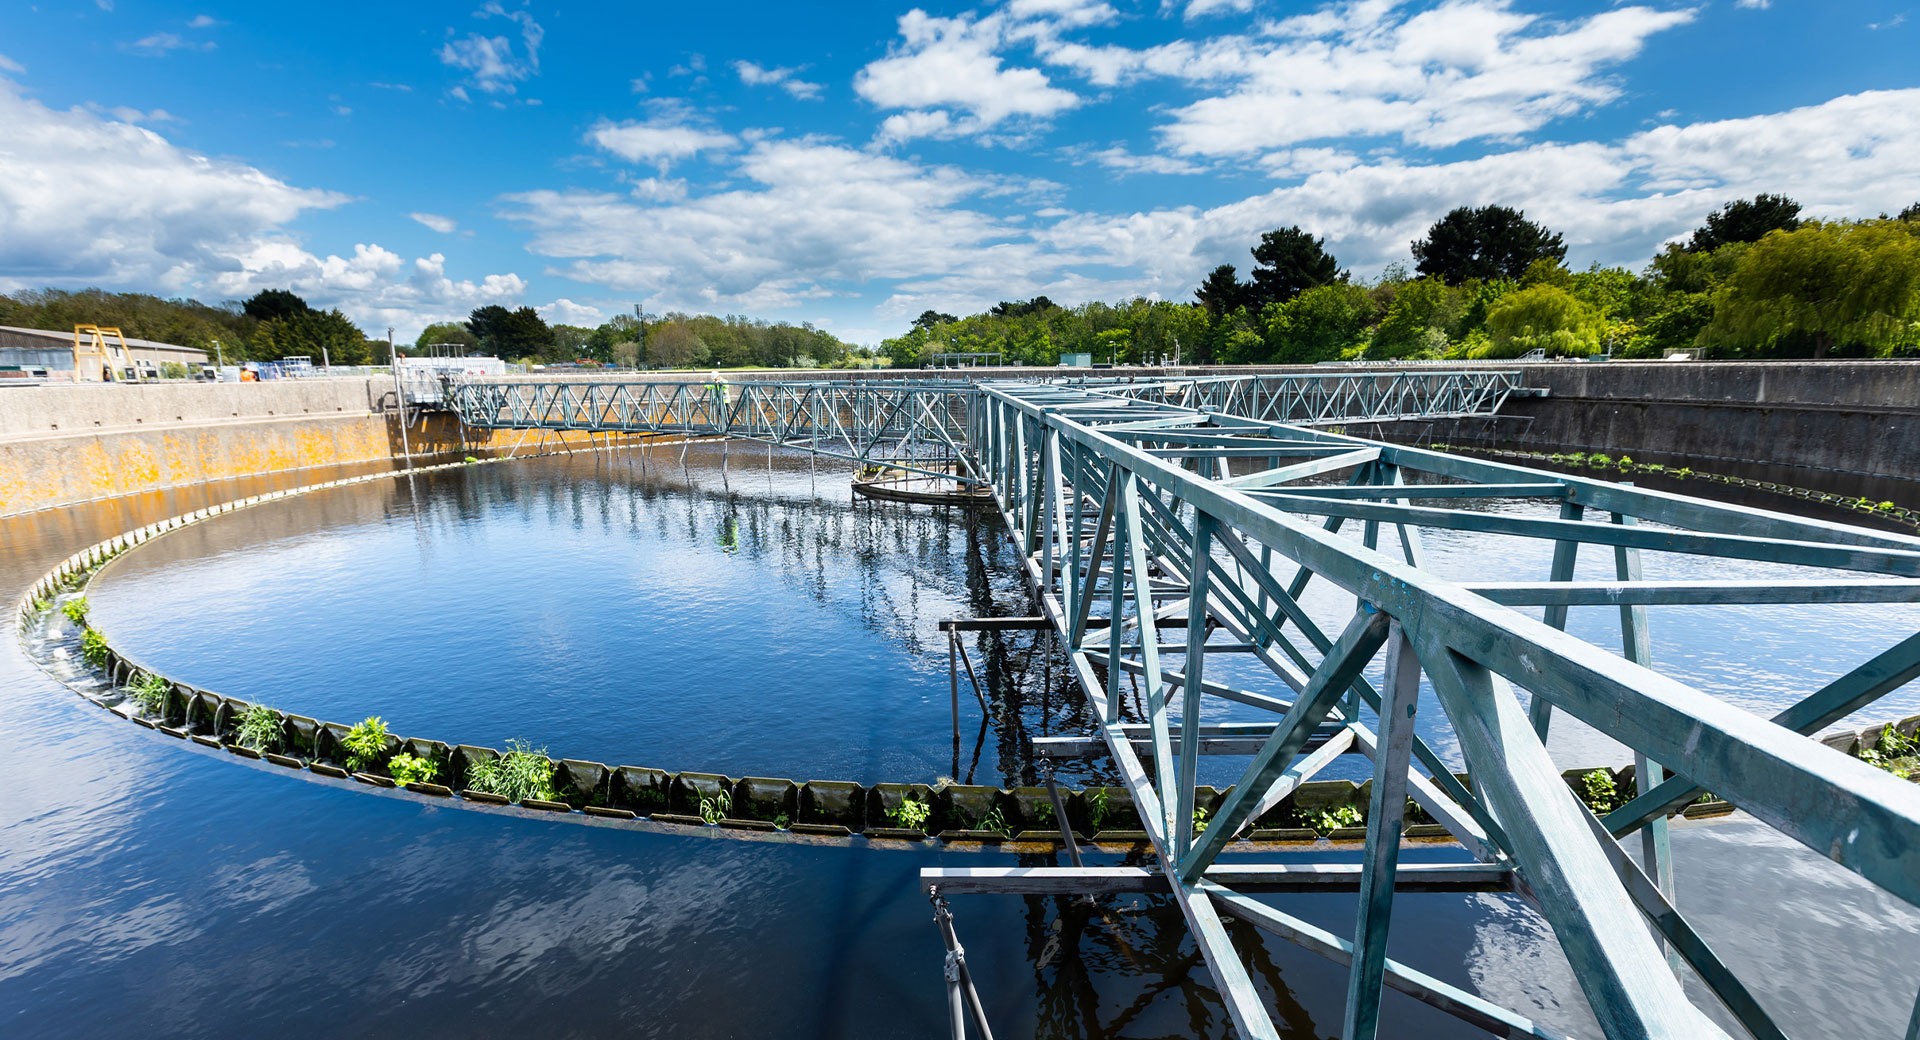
x: 43, y: 472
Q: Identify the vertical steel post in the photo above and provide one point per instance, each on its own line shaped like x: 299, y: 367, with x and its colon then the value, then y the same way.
x: 1386, y: 807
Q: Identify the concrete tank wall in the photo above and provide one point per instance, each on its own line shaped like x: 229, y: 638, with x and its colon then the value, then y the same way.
x: 1831, y: 425
x: 1826, y: 425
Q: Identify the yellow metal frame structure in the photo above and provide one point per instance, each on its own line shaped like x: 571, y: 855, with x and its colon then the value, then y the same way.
x: 96, y: 345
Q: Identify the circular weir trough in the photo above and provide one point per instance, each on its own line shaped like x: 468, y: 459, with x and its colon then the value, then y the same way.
x: 687, y: 642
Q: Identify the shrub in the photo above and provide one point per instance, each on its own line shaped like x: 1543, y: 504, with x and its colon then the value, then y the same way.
x: 75, y: 610
x: 150, y: 692
x: 412, y: 769
x: 258, y: 728
x: 911, y: 813
x: 93, y: 648
x: 1329, y: 820
x: 1597, y: 789
x: 522, y: 773
x: 365, y: 743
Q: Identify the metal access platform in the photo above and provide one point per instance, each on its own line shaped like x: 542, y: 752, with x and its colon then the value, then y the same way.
x: 1162, y: 529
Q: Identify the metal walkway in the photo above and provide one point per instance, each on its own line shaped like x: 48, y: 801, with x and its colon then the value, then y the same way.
x: 1159, y: 536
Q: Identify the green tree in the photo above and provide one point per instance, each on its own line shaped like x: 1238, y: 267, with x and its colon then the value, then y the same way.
x: 1543, y: 317
x: 1486, y: 243
x: 929, y: 318
x: 674, y: 344
x: 487, y: 324
x: 1221, y: 292
x: 1319, y: 323
x: 445, y: 334
x: 523, y: 333
x: 1842, y: 283
x: 1745, y: 220
x: 1416, y: 322
x: 1288, y: 261
x: 269, y: 304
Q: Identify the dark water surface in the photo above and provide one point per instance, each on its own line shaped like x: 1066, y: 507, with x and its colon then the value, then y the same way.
x: 750, y: 622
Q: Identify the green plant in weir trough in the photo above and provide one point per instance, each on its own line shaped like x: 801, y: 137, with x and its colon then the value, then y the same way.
x: 1597, y: 789
x: 365, y: 743
x: 1330, y: 820
x: 1096, y: 808
x: 715, y: 809
x: 150, y: 692
x: 1895, y: 752
x: 75, y: 610
x: 93, y: 648
x: 1200, y: 820
x: 992, y: 821
x: 258, y: 728
x: 412, y: 769
x: 911, y: 813
x: 522, y: 773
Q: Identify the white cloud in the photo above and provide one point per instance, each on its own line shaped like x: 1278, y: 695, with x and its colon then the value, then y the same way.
x: 951, y: 64
x: 1753, y: 5
x: 161, y: 43
x: 444, y: 225
x: 1064, y: 13
x: 667, y: 137
x: 491, y: 62
x: 9, y: 65
x: 1433, y: 77
x: 204, y: 21
x: 813, y: 220
x: 786, y: 79
x: 89, y: 199
x: 1118, y: 158
x: 566, y: 312
x: 1203, y: 8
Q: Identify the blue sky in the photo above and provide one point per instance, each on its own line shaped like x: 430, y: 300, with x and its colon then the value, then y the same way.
x: 854, y: 164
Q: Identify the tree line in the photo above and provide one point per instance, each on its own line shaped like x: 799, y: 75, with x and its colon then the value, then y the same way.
x: 272, y: 324
x: 673, y: 340
x: 1754, y: 281
x: 277, y: 323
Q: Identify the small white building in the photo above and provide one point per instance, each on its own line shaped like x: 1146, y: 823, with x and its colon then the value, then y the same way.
x: 453, y: 366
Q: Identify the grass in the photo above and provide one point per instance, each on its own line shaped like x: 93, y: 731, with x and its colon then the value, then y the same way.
x: 150, y: 693
x: 522, y: 773
x: 365, y: 743
x: 715, y: 809
x: 258, y: 728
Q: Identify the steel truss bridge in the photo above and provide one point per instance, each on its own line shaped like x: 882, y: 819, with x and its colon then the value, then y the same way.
x: 1162, y: 530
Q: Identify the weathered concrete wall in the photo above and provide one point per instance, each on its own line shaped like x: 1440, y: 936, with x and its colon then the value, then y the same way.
x: 1827, y: 425
x: 65, y: 444
x: 1832, y: 425
x: 27, y: 411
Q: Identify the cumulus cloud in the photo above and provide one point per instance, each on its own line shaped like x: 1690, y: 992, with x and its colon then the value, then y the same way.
x: 811, y: 218
x: 566, y: 312
x: 444, y: 225
x: 808, y: 220
x: 669, y: 136
x: 90, y: 199
x: 492, y: 63
x: 1435, y: 77
x: 204, y: 21
x: 946, y: 65
x: 786, y: 79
